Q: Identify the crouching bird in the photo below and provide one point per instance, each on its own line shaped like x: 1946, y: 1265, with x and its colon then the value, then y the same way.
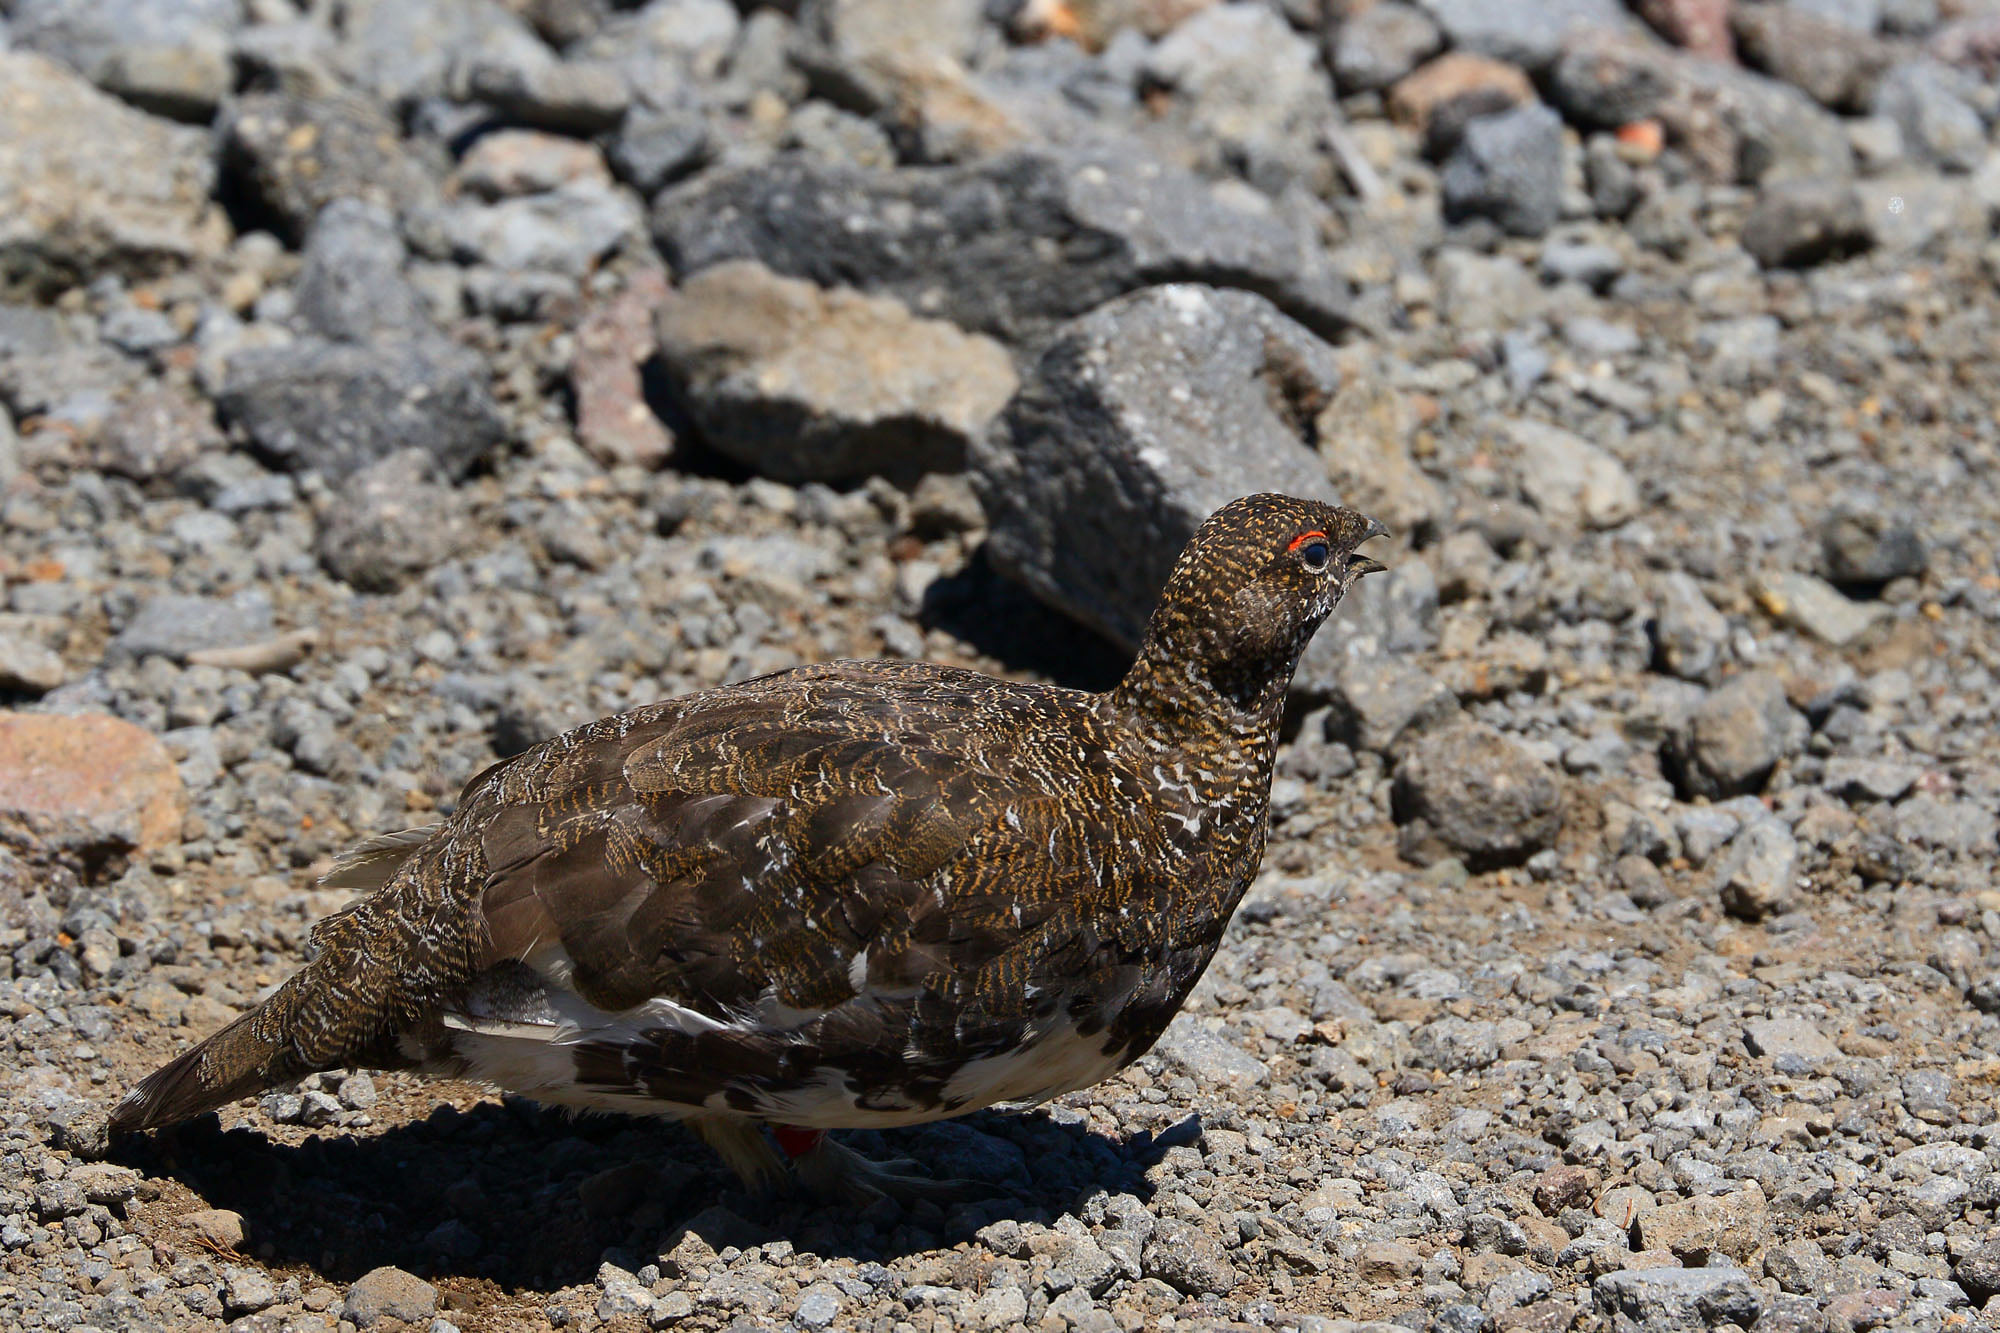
x: 856, y: 894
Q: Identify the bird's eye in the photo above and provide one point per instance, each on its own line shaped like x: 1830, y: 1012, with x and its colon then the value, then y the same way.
x: 1315, y: 555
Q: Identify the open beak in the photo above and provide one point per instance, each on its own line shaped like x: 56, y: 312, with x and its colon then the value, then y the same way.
x: 1359, y: 565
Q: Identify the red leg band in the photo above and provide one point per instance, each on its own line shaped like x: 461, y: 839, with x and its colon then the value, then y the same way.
x: 797, y: 1142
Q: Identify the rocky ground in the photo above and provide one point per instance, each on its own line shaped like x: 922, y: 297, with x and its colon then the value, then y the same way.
x: 388, y: 384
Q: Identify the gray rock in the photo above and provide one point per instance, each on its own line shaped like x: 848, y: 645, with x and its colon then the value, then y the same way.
x: 977, y: 245
x: 290, y: 156
x: 155, y: 432
x: 389, y: 1293
x: 1364, y: 437
x: 1613, y: 184
x: 1380, y: 45
x: 173, y: 625
x: 1794, y: 1038
x: 404, y: 50
x: 872, y: 55
x: 1858, y: 779
x: 247, y: 1290
x: 26, y: 665
x: 1856, y: 15
x: 1760, y: 872
x: 572, y: 97
x: 1798, y: 223
x: 1811, y: 604
x: 1508, y: 168
x: 390, y: 523
x: 1734, y: 738
x: 1689, y: 634
x: 658, y: 145
x: 1141, y: 419
x: 168, y: 56
x: 90, y: 186
x: 1470, y: 791
x: 1866, y: 547
x: 1249, y: 89
x: 1837, y: 65
x: 1381, y: 704
x: 1454, y: 1045
x: 1749, y: 129
x: 1593, y: 265
x: 1978, y: 1271
x: 313, y: 405
x: 1798, y: 1266
x: 1571, y: 480
x: 806, y: 384
x: 1607, y: 79
x: 1530, y: 36
x: 1680, y: 1300
x: 1212, y: 1059
x: 1188, y: 1258
x: 565, y: 231
x: 1922, y: 97
x: 351, y: 286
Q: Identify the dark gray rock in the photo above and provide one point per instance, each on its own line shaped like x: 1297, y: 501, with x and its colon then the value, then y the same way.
x: 1188, y: 1258
x: 1139, y: 420
x: 1470, y: 791
x: 315, y: 405
x: 1508, y: 168
x: 1923, y: 99
x: 1680, y: 1300
x: 1380, y: 45
x: 1613, y: 184
x: 1528, y: 35
x: 1837, y: 65
x: 1978, y: 1271
x: 1799, y: 223
x: 1011, y: 246
x: 173, y: 625
x: 290, y: 156
x: 656, y: 146
x: 1735, y: 737
x: 390, y: 522
x: 806, y: 384
x: 1605, y: 79
x: 351, y: 286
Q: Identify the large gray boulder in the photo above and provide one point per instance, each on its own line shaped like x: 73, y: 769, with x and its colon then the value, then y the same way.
x: 1139, y: 420
x: 1011, y: 246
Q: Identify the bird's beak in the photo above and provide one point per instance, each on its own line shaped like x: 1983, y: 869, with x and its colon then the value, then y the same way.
x: 1360, y: 564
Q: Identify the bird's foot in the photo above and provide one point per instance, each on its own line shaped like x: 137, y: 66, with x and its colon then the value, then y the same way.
x: 742, y: 1147
x: 840, y: 1174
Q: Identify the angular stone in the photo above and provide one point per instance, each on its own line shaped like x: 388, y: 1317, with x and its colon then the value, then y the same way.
x: 86, y: 785
x: 291, y: 156
x: 803, y: 383
x: 1380, y: 45
x: 1477, y: 793
x: 1835, y: 64
x: 1508, y: 167
x: 1680, y: 1300
x: 89, y: 186
x: 1759, y: 875
x: 1811, y: 604
x: 1011, y: 247
x: 389, y: 1293
x: 313, y: 405
x: 1380, y: 704
x: 1458, y: 85
x: 1189, y: 1259
x: 613, y: 419
x: 1796, y: 224
x: 1141, y: 419
x: 1865, y: 547
x: 173, y: 625
x: 1213, y: 1060
x: 1734, y: 737
x: 1527, y: 35
x: 1570, y: 479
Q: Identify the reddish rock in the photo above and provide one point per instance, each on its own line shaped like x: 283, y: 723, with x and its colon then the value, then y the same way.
x: 1702, y: 26
x: 613, y: 420
x: 87, y: 785
x: 1494, y: 84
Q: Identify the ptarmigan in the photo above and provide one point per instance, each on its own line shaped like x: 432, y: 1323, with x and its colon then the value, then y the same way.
x: 857, y: 894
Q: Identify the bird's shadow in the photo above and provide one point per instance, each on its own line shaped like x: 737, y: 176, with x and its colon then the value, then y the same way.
x: 535, y: 1200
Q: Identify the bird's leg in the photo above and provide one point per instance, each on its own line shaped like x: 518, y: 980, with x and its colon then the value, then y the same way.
x: 740, y: 1144
x: 843, y: 1175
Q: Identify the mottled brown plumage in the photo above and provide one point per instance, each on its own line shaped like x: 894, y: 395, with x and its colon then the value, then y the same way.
x: 851, y: 894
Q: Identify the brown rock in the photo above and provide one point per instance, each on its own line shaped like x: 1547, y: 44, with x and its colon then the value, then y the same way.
x: 217, y: 1227
x: 1732, y: 1225
x: 1562, y: 1187
x: 86, y: 785
x: 1702, y: 26
x: 1388, y: 1261
x: 613, y: 420
x: 1493, y: 84
x: 1834, y: 64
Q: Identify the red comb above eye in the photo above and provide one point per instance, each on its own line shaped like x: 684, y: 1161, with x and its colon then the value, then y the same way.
x: 1305, y: 537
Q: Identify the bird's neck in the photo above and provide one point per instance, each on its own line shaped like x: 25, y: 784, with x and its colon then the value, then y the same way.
x: 1218, y: 712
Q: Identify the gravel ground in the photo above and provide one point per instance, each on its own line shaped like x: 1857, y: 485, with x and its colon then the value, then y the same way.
x: 387, y: 386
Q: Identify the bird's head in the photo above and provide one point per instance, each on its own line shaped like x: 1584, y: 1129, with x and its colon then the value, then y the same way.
x: 1251, y: 587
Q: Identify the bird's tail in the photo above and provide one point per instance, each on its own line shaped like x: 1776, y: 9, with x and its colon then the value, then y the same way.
x: 253, y: 1053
